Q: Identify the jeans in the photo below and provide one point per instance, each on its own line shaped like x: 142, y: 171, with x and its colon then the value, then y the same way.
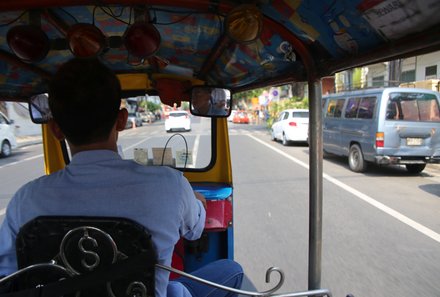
x: 224, y: 272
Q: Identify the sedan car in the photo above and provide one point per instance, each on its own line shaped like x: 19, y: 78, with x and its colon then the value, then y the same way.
x: 178, y: 120
x: 148, y: 117
x: 291, y: 125
x: 241, y: 117
x: 135, y: 118
x: 7, y: 136
x: 231, y: 116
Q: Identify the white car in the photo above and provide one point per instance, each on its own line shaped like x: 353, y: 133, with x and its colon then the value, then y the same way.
x: 178, y: 120
x: 291, y: 125
x: 7, y: 136
x: 231, y: 116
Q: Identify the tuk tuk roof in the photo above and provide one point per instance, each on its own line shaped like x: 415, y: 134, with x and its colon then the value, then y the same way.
x: 298, y: 40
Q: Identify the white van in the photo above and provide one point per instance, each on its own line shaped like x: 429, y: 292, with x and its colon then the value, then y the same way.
x: 383, y: 126
x: 7, y: 136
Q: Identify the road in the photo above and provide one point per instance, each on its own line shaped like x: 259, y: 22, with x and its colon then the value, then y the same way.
x: 380, y: 229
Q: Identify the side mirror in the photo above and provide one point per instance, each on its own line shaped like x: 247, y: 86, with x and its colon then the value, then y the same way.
x: 39, y: 109
x: 210, y: 102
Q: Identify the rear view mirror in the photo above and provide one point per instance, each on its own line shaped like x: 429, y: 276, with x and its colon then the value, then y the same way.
x: 211, y: 102
x: 39, y: 109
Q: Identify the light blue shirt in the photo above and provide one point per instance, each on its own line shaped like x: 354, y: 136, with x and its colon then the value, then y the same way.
x: 101, y: 183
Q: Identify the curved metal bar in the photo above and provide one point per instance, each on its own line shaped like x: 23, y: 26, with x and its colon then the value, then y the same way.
x: 31, y: 267
x: 242, y: 292
x: 319, y: 292
x: 280, y: 283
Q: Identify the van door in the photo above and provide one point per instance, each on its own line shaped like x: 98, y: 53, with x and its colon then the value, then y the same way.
x: 359, y: 125
x: 412, y: 124
x: 332, y: 126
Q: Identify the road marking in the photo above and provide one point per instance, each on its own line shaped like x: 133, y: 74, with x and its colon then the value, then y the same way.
x: 195, y: 150
x: 21, y: 161
x: 2, y: 211
x: 134, y: 145
x: 397, y: 215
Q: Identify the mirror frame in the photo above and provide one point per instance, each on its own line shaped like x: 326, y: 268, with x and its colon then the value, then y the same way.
x: 228, y: 107
x: 45, y: 115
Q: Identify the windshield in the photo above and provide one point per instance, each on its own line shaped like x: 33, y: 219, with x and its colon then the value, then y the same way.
x: 300, y: 114
x: 184, y: 143
x: 419, y: 107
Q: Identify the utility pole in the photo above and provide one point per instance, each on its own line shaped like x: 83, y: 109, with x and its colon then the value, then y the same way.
x: 394, y: 72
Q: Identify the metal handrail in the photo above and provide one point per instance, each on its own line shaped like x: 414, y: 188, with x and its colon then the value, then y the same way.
x: 267, y: 293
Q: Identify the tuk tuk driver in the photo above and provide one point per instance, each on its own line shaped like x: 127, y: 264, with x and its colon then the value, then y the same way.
x: 85, y: 98
x: 208, y: 101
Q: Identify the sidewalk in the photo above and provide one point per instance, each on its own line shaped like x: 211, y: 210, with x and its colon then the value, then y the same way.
x: 28, y: 140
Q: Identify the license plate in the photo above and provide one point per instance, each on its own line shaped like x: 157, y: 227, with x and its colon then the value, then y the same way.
x: 414, y: 141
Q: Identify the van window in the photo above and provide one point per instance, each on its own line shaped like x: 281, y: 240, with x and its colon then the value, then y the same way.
x: 413, y: 107
x: 334, y: 108
x: 361, y: 108
x: 352, y: 107
x: 366, y: 108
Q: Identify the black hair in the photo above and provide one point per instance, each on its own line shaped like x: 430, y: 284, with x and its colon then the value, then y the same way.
x: 85, y: 97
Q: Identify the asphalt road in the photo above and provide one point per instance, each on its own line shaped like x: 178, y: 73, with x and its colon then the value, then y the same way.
x: 380, y: 229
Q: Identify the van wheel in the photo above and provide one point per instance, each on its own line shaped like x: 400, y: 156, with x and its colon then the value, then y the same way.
x: 356, y: 160
x: 285, y: 141
x: 415, y: 168
x: 5, y: 149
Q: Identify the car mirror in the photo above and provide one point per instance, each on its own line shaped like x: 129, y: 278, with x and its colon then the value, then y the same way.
x: 210, y: 102
x: 39, y: 109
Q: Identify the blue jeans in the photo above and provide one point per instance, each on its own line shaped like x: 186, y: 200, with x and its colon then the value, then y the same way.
x: 224, y: 272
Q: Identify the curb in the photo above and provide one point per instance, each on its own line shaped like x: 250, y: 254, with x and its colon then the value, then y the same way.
x: 26, y: 141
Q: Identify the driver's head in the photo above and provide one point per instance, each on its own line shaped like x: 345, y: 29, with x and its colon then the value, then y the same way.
x: 85, y: 97
x: 201, y: 99
x: 218, y: 97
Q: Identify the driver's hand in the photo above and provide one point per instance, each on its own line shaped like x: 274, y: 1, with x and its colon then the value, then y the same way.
x: 201, y: 197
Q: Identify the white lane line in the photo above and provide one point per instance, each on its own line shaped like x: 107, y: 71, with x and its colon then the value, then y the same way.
x: 2, y: 211
x: 397, y: 215
x: 21, y: 161
x: 196, y: 149
x: 136, y: 144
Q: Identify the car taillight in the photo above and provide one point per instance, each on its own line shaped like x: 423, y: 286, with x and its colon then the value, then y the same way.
x: 380, y: 139
x: 292, y: 124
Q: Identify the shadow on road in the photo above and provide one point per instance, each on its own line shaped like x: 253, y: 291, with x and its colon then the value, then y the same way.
x: 433, y: 189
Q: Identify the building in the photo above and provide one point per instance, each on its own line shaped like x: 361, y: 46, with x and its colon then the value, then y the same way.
x: 420, y: 71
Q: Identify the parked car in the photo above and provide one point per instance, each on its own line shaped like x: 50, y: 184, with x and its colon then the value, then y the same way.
x: 231, y: 116
x: 291, y: 125
x: 178, y: 120
x: 241, y: 117
x: 129, y: 125
x: 135, y: 118
x: 7, y: 136
x: 148, y: 117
